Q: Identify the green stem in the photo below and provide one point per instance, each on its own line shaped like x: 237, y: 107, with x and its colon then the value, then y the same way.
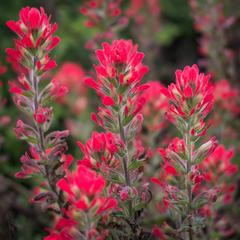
x: 125, y: 161
x: 125, y: 158
x: 188, y: 143
x: 35, y: 81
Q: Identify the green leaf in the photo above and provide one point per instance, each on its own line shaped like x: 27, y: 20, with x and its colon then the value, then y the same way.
x: 139, y: 206
x: 135, y: 164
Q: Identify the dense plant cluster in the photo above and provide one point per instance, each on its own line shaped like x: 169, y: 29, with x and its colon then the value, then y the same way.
x: 150, y: 159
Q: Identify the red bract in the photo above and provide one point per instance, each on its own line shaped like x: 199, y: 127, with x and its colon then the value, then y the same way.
x: 101, y: 142
x: 35, y: 34
x: 30, y: 166
x: 118, y: 77
x: 84, y: 190
x: 64, y: 229
x: 191, y: 94
x: 42, y: 115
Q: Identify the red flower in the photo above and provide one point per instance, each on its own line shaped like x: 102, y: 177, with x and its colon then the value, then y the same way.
x: 100, y: 150
x: 192, y: 93
x: 84, y: 189
x: 72, y: 76
x: 83, y: 184
x: 119, y: 76
x: 158, y: 233
x: 34, y: 32
x: 41, y: 115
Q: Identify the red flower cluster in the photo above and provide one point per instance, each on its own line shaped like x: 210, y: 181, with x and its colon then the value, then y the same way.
x: 192, y: 93
x: 218, y: 169
x: 35, y: 35
x: 118, y: 79
x: 87, y: 205
x: 118, y: 83
x: 191, y: 97
x: 100, y: 151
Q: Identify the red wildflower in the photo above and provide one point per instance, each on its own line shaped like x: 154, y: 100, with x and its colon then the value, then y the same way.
x: 34, y: 42
x: 41, y: 115
x: 191, y: 94
x: 34, y: 32
x: 84, y: 190
x: 120, y: 66
x: 100, y: 151
x: 85, y: 183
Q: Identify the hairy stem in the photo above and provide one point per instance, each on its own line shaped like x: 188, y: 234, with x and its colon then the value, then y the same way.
x: 125, y: 158
x: 35, y: 81
x: 125, y: 167
x: 188, y: 143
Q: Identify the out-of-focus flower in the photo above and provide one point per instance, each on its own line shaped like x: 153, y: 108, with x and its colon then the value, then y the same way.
x: 156, y: 106
x: 214, y: 22
x: 72, y: 76
x: 106, y: 17
x: 226, y: 97
x: 137, y: 6
x: 218, y: 170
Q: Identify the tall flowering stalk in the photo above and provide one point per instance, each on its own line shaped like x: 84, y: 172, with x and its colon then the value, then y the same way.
x: 32, y: 94
x: 215, y: 20
x: 191, y: 99
x: 118, y: 84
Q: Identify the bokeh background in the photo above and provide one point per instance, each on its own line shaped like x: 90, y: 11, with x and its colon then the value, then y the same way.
x: 171, y: 33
